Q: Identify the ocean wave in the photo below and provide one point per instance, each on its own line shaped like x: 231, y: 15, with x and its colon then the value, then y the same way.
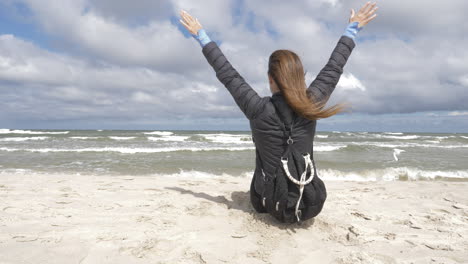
x: 393, y: 174
x: 124, y: 150
x: 159, y: 133
x: 371, y: 175
x: 84, y: 138
x: 398, y: 137
x: 198, y: 138
x: 404, y: 137
x: 433, y: 141
x: 169, y: 138
x: 464, y: 137
x: 393, y: 133
x: 19, y: 139
x: 442, y: 137
x: 406, y: 145
x: 18, y: 131
x: 202, y: 174
x: 326, y: 148
x: 321, y: 136
x: 17, y: 171
x: 122, y: 138
x: 192, y: 174
x: 228, y: 138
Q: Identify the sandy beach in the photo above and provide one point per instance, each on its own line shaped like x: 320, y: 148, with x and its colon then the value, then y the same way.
x: 46, y: 218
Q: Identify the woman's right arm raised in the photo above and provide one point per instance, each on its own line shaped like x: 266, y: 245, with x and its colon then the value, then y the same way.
x: 246, y: 98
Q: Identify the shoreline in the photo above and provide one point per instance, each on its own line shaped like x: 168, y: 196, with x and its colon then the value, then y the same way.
x: 60, y: 218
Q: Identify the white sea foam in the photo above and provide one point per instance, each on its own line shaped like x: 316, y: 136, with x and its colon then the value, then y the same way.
x: 398, y: 137
x: 168, y: 138
x: 17, y: 171
x: 321, y: 136
x: 406, y: 145
x: 84, y: 138
x: 326, y: 148
x: 228, y: 138
x: 202, y: 174
x: 159, y: 133
x: 464, y: 137
x: 335, y: 175
x: 391, y: 174
x: 128, y: 150
x: 122, y: 138
x: 9, y: 131
x: 393, y: 133
x: 386, y: 174
x: 396, y: 153
x: 19, y: 139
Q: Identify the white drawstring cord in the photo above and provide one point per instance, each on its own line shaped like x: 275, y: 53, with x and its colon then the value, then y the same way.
x: 302, y: 182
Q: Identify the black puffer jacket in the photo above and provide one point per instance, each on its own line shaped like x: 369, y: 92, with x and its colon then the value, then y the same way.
x: 267, y: 132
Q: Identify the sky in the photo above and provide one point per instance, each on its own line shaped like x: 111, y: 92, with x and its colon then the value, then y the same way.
x: 118, y: 64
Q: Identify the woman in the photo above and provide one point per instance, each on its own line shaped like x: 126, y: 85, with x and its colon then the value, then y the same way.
x: 286, y: 120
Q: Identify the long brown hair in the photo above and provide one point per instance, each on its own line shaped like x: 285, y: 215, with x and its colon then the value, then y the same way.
x: 285, y: 68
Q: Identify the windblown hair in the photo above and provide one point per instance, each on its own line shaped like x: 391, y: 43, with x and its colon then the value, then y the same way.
x: 286, y: 69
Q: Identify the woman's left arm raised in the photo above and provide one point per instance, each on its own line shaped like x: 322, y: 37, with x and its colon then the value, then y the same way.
x: 246, y: 98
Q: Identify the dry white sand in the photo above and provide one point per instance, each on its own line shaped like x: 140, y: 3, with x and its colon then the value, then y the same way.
x: 109, y: 219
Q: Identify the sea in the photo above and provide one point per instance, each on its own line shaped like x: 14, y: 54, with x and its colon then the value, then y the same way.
x: 339, y: 156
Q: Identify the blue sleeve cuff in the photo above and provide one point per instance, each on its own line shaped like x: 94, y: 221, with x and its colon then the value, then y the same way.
x: 352, y: 30
x: 202, y: 37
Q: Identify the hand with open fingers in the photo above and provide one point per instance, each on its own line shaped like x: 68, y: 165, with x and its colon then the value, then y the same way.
x: 190, y: 23
x: 365, y: 14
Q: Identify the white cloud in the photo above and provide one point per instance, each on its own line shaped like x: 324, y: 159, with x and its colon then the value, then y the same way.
x: 349, y: 82
x: 155, y: 44
x: 142, y: 97
x: 464, y: 80
x: 38, y: 79
x: 457, y: 113
x: 113, y: 53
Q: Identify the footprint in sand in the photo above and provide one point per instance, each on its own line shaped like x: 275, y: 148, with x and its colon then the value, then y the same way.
x: 143, y: 218
x: 459, y: 206
x: 390, y: 236
x: 66, y: 189
x: 25, y: 238
x: 409, y: 223
x: 200, y: 209
x: 435, y: 246
x: 164, y: 207
x: 189, y: 183
x: 151, y: 246
x: 363, y: 257
x: 110, y: 237
x: 361, y: 215
x: 353, y: 234
x: 62, y: 202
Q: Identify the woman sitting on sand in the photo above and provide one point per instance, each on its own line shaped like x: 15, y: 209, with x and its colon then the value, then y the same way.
x: 286, y: 120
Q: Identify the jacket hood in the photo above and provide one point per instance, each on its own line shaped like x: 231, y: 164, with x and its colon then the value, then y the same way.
x: 282, y: 108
